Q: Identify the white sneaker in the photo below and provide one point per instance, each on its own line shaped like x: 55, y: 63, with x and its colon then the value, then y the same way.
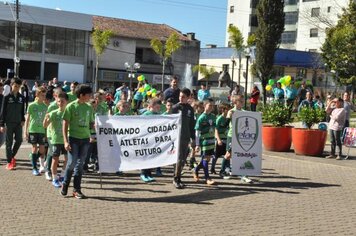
x: 48, y: 176
x: 245, y: 179
x: 42, y: 169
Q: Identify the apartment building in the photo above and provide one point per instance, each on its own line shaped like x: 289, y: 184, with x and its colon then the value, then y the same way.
x: 305, y: 21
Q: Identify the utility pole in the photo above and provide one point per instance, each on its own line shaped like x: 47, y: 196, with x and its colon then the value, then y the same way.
x: 16, y: 53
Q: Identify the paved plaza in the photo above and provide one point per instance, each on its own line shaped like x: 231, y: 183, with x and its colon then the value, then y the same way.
x: 296, y: 195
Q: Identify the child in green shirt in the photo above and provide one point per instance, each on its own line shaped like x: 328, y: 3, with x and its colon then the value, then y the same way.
x: 78, y: 119
x: 35, y: 132
x: 205, y: 138
x: 154, y: 106
x: 54, y: 118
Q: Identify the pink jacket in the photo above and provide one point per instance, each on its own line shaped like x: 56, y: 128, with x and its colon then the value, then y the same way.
x: 337, y: 119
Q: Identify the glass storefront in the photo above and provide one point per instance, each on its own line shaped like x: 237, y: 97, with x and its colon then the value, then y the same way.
x: 59, y: 41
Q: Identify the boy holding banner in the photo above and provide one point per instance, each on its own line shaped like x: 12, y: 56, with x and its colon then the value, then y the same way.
x: 238, y: 101
x: 187, y: 134
x: 78, y: 118
x: 205, y: 138
x: 154, y: 107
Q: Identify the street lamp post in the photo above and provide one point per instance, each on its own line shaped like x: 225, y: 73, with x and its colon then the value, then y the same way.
x: 247, y: 54
x: 232, y: 72
x: 131, y: 70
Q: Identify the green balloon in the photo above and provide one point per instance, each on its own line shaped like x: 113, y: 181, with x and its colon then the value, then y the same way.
x: 271, y: 82
x: 147, y: 87
x: 143, y: 77
x: 153, y: 90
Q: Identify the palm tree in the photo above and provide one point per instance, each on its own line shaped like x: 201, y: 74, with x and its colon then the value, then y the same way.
x: 101, y: 39
x: 236, y: 41
x: 166, y: 50
x: 205, y: 72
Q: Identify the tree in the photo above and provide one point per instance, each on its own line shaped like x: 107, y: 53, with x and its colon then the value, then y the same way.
x: 166, y: 50
x: 206, y: 72
x: 270, y: 18
x: 236, y: 41
x: 101, y: 39
x: 251, y: 40
x: 339, y: 48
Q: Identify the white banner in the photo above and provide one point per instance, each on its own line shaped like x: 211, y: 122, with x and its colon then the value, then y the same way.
x: 137, y: 142
x: 246, y: 143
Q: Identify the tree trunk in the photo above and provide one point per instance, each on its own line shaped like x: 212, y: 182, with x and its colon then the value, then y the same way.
x: 264, y: 83
x: 163, y: 69
x: 96, y: 74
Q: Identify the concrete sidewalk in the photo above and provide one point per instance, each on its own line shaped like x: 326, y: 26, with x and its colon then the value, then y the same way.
x: 296, y: 195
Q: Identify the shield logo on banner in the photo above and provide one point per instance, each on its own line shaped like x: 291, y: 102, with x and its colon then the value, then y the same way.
x: 246, y: 130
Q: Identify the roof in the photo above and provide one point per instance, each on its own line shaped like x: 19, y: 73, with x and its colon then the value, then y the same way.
x: 136, y: 29
x: 282, y: 57
x: 45, y: 16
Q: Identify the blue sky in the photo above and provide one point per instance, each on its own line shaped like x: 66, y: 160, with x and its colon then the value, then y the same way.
x: 207, y: 18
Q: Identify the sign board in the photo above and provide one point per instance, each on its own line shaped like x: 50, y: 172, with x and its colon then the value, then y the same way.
x: 137, y: 142
x: 246, y: 143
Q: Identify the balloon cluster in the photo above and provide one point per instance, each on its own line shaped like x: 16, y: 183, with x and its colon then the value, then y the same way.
x: 284, y: 81
x: 148, y: 90
x: 141, y: 78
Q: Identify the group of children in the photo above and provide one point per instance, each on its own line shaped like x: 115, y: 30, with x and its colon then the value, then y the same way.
x: 64, y: 125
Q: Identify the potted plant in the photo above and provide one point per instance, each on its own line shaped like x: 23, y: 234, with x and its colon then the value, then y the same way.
x: 308, y: 141
x: 276, y: 134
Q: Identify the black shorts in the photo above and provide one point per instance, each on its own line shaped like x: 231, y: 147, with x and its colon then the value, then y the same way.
x: 37, y: 138
x: 220, y: 150
x: 58, y: 149
x: 210, y: 152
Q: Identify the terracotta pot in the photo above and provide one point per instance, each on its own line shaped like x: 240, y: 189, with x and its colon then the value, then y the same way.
x: 277, y: 139
x: 310, y: 142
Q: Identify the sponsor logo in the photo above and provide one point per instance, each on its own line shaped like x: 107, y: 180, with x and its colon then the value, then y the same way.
x: 246, y: 130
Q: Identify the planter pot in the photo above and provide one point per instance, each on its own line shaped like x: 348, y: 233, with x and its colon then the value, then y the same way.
x: 310, y: 142
x: 277, y: 139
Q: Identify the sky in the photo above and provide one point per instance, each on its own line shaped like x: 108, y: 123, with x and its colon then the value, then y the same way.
x: 206, y: 18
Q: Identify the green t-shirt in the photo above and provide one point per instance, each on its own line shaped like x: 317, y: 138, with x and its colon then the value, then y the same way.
x: 56, y: 120
x: 71, y: 97
x: 206, y: 125
x: 52, y: 106
x: 37, y: 112
x: 229, y: 134
x: 149, y: 113
x: 221, y: 125
x: 163, y: 108
x: 79, y: 116
x: 102, y: 109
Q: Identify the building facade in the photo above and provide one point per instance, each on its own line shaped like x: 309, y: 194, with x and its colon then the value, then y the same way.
x: 305, y: 21
x: 301, y: 65
x: 55, y: 43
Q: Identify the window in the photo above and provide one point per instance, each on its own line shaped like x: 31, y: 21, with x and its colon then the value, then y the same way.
x: 253, y: 21
x: 289, y: 37
x: 291, y: 18
x: 61, y: 41
x: 139, y: 55
x: 301, y: 73
x: 313, y: 33
x: 329, y: 9
x: 313, y: 50
x: 310, y: 0
x: 232, y: 9
x: 315, y: 12
x: 278, y: 71
x: 290, y: 2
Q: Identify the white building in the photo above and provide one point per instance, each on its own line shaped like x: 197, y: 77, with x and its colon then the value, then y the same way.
x: 305, y: 21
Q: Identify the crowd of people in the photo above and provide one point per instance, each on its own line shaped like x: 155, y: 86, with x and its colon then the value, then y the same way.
x: 60, y: 121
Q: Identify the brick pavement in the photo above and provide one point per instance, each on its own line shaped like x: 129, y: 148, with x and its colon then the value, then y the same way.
x: 296, y: 195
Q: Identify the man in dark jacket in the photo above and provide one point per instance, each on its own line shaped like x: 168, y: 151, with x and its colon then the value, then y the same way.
x: 187, y: 134
x: 173, y: 91
x: 12, y: 119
